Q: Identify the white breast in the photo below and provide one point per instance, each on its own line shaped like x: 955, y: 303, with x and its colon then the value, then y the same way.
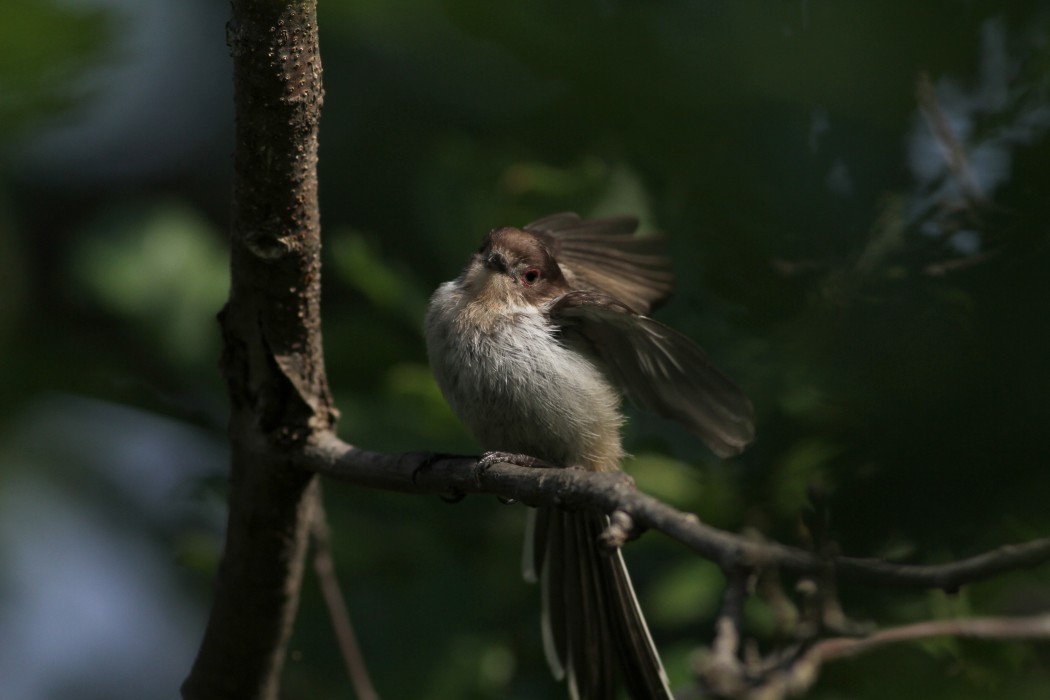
x: 518, y: 388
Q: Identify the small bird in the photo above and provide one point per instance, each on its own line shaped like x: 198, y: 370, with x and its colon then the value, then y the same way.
x: 533, y: 346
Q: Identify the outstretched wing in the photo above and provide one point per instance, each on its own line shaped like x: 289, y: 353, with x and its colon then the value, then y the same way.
x: 604, y: 255
x: 659, y: 368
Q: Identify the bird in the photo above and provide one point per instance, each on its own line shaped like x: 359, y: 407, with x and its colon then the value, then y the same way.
x: 534, y: 346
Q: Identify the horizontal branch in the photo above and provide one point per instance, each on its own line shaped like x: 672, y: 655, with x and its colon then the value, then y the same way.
x: 802, y: 673
x: 609, y: 492
x: 998, y: 628
x: 950, y: 576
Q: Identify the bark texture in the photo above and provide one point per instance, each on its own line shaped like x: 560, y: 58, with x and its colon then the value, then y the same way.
x: 272, y: 359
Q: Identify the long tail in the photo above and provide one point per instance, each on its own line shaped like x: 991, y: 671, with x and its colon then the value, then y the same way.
x: 591, y: 621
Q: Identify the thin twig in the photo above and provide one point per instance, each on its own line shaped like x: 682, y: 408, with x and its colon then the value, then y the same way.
x: 324, y: 567
x: 953, y: 151
x: 1036, y: 627
x: 803, y: 672
x: 722, y: 672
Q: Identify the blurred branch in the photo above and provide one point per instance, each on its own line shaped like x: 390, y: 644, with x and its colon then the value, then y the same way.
x: 1036, y: 627
x: 953, y: 151
x: 272, y: 360
x: 722, y: 671
x: 794, y: 675
x: 945, y: 267
x: 608, y: 492
x: 324, y: 567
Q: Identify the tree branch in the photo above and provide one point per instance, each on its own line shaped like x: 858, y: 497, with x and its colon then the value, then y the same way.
x: 801, y: 673
x: 605, y: 492
x: 272, y: 359
x: 1037, y: 627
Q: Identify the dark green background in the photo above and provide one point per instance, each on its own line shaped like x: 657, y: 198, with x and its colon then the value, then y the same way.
x: 894, y: 335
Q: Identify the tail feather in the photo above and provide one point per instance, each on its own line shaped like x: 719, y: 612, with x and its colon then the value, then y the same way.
x: 592, y: 623
x: 592, y: 638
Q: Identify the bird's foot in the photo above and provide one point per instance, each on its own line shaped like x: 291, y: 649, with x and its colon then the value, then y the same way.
x: 521, y: 460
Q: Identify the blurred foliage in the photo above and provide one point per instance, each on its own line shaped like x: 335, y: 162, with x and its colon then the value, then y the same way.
x: 161, y: 267
x: 881, y: 299
x: 44, y: 46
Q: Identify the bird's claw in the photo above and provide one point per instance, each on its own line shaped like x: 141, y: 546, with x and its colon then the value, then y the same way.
x: 489, y: 459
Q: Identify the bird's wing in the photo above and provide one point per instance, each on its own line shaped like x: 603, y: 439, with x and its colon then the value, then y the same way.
x: 659, y: 368
x: 605, y: 255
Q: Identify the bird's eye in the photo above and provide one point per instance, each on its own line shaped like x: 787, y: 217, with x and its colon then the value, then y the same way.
x: 531, y: 276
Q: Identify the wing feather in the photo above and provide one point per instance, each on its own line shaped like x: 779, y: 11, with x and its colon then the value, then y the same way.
x: 604, y: 255
x: 659, y: 368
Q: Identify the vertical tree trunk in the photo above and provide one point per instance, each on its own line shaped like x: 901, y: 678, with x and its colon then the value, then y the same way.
x: 272, y: 359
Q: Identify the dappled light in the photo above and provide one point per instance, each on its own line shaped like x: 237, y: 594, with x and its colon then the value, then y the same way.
x: 856, y: 202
